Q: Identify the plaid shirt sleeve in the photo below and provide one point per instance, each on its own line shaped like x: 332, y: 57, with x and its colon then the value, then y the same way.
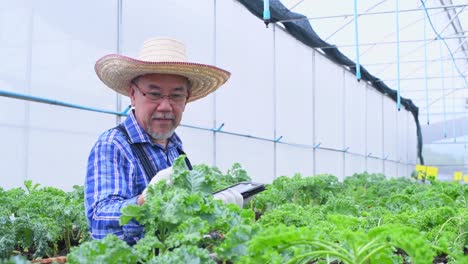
x: 111, y: 184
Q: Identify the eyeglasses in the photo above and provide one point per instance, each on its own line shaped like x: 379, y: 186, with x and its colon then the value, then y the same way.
x: 175, y: 98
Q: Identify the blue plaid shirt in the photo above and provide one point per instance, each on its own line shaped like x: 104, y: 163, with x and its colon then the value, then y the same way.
x: 115, y: 178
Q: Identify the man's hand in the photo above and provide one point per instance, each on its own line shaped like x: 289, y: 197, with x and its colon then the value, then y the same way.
x: 230, y: 196
x: 161, y: 175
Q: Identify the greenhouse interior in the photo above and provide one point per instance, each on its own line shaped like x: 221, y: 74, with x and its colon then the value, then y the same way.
x: 294, y: 131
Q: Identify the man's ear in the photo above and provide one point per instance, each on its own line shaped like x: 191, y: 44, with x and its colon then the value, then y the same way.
x: 131, y: 93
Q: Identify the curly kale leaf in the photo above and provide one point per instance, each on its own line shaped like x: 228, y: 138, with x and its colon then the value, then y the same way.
x: 15, y: 260
x: 235, y: 244
x: 108, y: 250
x: 196, y: 180
x: 181, y: 214
x: 291, y: 214
x: 314, y: 190
x: 406, y: 238
x: 184, y: 254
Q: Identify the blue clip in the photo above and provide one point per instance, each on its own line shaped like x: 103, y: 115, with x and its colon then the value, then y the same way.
x: 278, y: 139
x: 385, y: 158
x: 346, y: 149
x: 219, y: 128
x: 266, y: 12
x: 369, y: 155
x: 125, y: 111
x: 317, y: 145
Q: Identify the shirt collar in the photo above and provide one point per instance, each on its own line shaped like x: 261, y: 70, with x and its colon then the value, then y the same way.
x: 138, y: 134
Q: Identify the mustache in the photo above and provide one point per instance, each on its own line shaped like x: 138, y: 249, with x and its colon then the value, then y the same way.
x: 163, y: 116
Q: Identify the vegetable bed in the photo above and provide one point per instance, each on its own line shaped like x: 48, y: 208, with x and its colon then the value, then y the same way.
x: 365, y: 219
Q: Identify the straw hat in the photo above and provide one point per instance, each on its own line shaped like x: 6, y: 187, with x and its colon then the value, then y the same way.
x: 159, y: 55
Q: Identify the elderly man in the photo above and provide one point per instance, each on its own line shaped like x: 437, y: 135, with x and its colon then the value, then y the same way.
x: 141, y: 150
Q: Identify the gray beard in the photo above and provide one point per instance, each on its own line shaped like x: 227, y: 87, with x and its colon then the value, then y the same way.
x: 164, y: 136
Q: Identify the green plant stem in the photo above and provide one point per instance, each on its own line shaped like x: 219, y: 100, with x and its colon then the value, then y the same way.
x: 326, y: 245
x: 370, y: 254
x: 443, y: 225
x: 459, y: 236
x: 446, y: 252
x: 162, y: 238
x: 319, y: 253
x: 333, y: 247
x: 67, y: 239
x: 367, y: 246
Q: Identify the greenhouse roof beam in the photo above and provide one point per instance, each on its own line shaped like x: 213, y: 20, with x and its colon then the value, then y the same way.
x: 454, y: 21
x: 388, y: 42
x: 435, y: 90
x: 415, y: 61
x: 350, y: 19
x: 373, y: 13
x: 423, y: 78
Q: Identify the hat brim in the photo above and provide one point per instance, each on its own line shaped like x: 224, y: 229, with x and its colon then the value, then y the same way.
x: 117, y: 71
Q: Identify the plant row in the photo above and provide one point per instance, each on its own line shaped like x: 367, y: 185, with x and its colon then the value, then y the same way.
x: 364, y: 219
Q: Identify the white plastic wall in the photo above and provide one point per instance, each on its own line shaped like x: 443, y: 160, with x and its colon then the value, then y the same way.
x: 329, y: 103
x: 286, y: 109
x: 294, y: 105
x: 355, y: 136
x: 390, y: 138
x: 402, y: 117
x: 46, y: 51
x: 374, y: 132
x: 412, y: 143
x: 328, y: 116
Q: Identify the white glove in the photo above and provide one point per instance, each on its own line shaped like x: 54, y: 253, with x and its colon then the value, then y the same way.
x: 230, y: 196
x: 160, y: 175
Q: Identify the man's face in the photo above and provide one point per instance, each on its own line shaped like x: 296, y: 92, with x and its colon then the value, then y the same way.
x: 159, y: 101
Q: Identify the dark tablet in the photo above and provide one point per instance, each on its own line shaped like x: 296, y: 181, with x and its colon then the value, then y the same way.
x: 247, y: 189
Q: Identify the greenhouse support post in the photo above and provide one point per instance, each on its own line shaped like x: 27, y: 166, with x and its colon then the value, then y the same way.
x: 397, y: 13
x: 356, y: 38
x: 425, y: 70
x: 443, y: 89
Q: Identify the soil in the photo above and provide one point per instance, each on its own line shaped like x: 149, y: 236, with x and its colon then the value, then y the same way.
x: 51, y: 260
